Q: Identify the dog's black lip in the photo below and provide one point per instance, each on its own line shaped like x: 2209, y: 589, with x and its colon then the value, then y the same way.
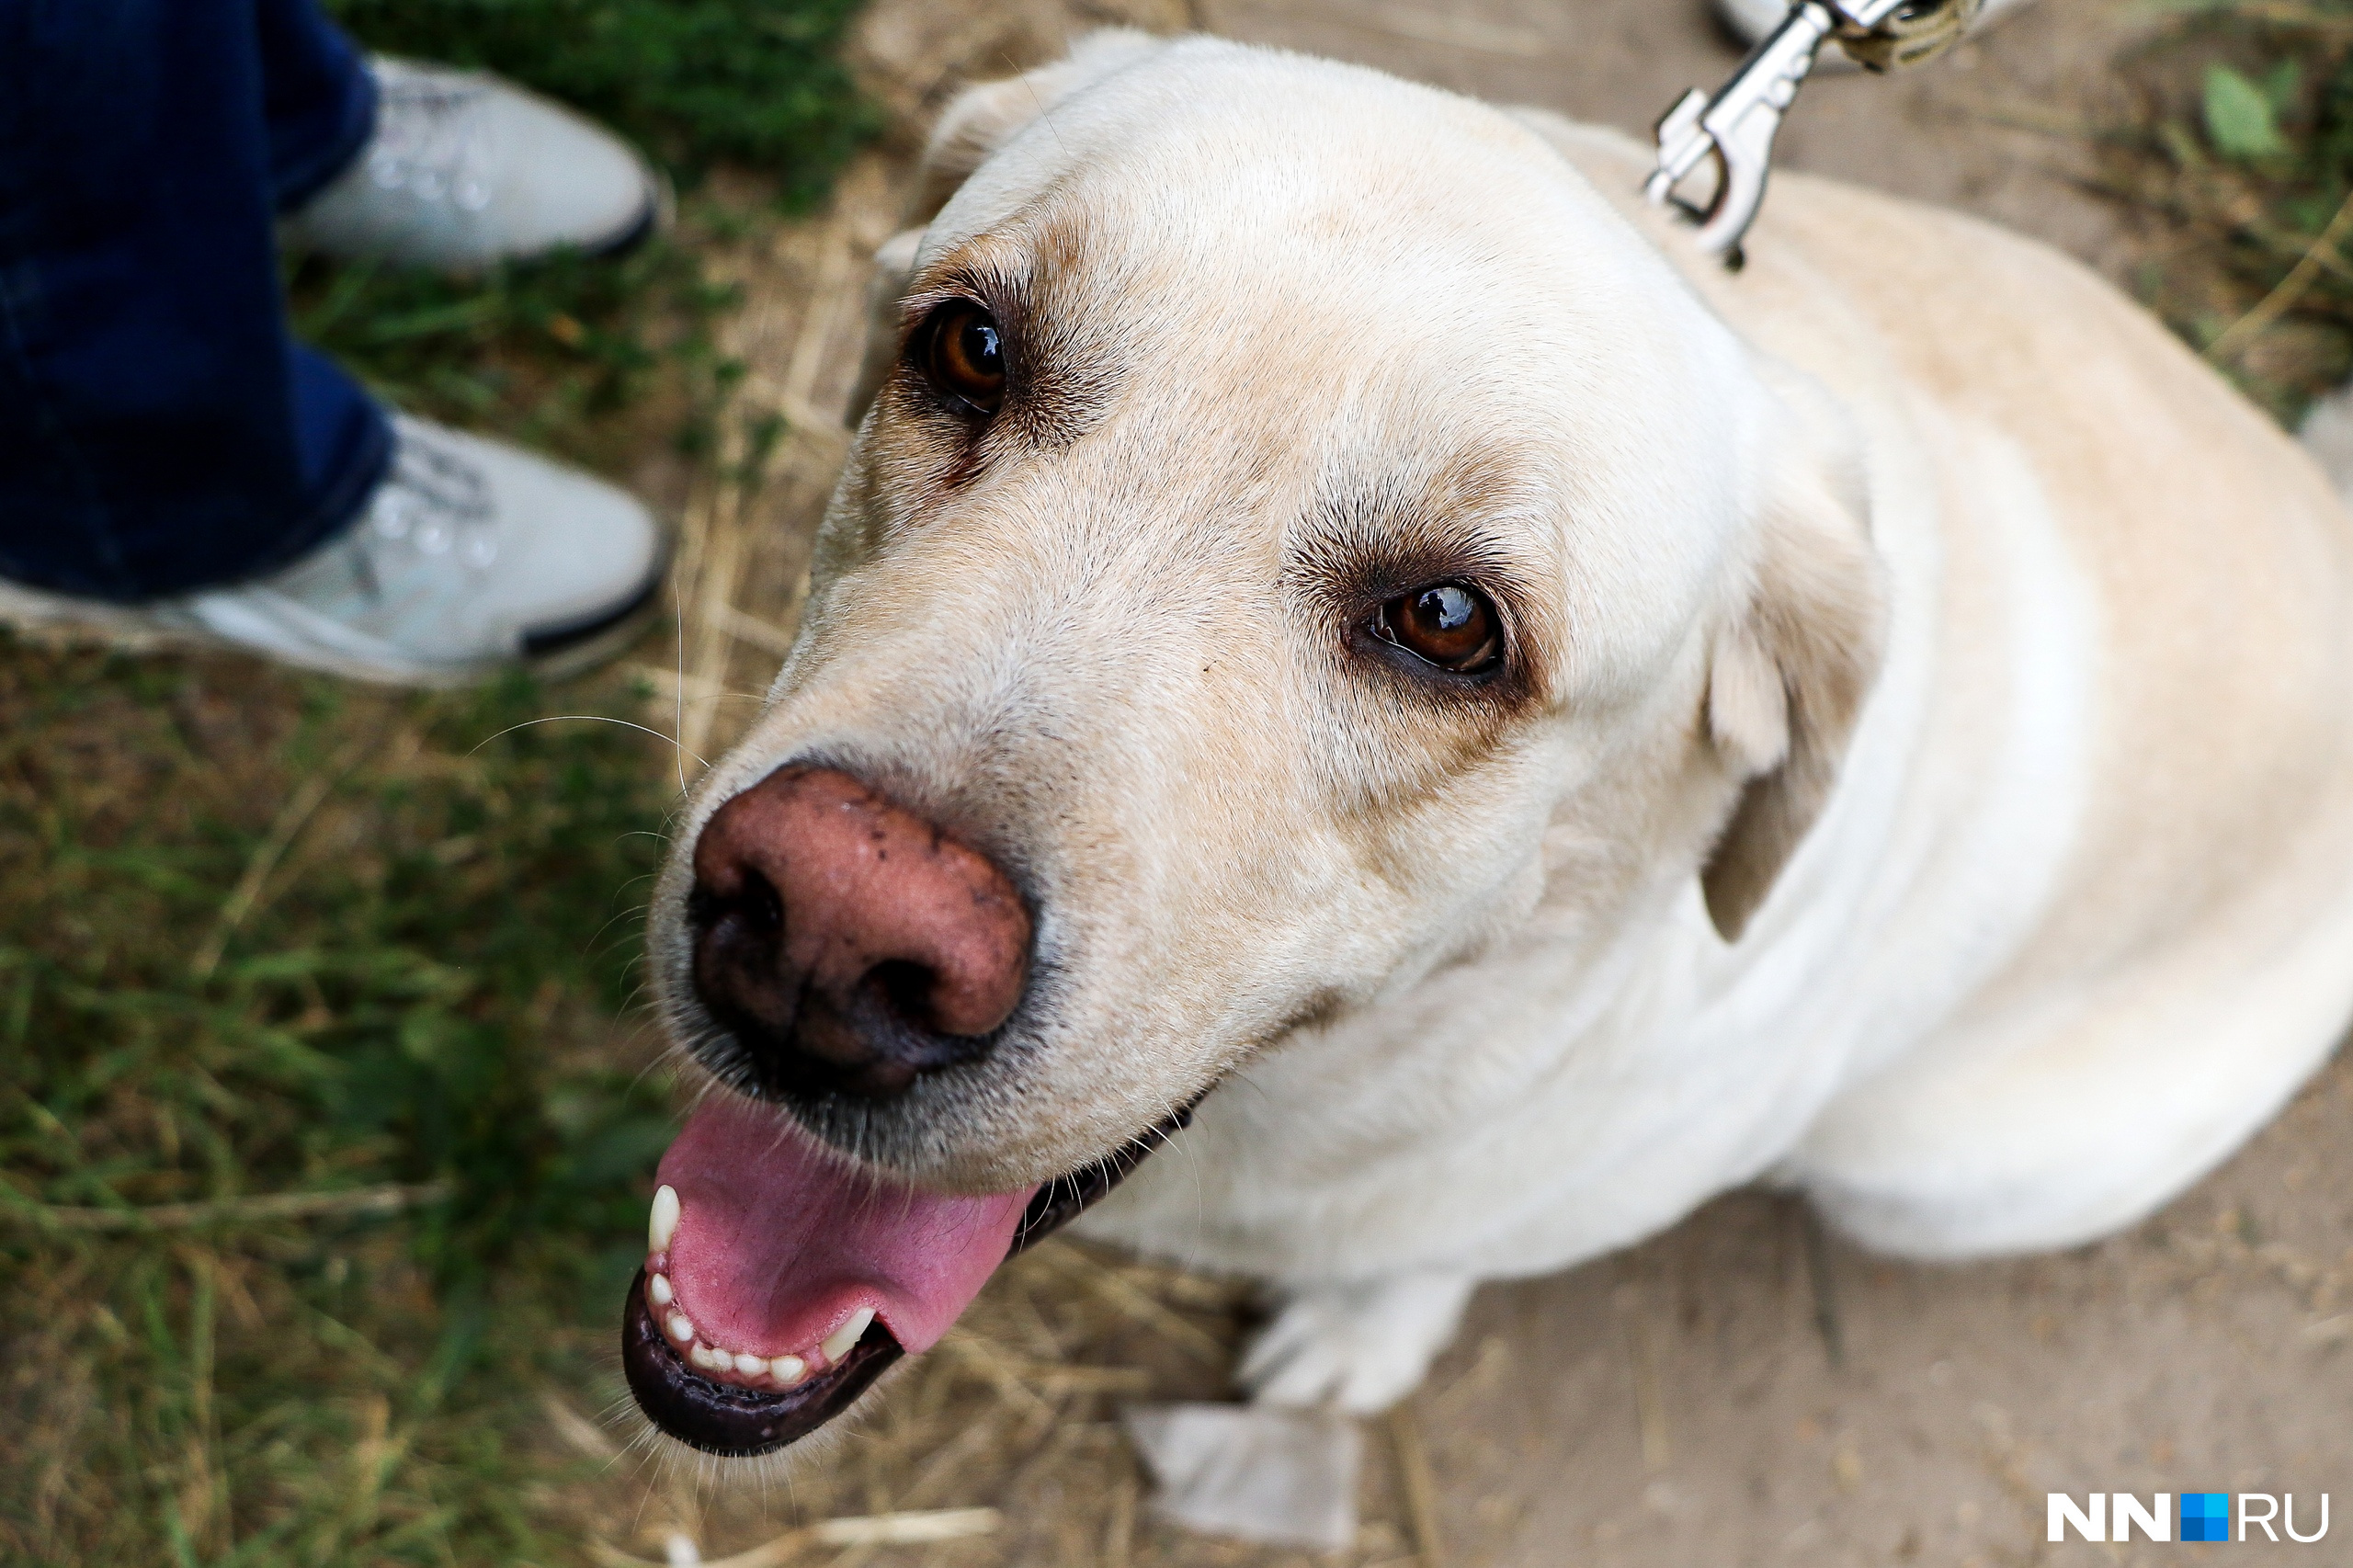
x: 1062, y: 1199
x: 726, y: 1418
x: 736, y: 1422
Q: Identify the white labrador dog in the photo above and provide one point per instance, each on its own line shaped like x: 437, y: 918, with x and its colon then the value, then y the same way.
x: 1340, y: 623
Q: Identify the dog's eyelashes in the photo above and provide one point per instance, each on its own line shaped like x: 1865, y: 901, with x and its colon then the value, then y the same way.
x: 1449, y: 625
x: 963, y: 356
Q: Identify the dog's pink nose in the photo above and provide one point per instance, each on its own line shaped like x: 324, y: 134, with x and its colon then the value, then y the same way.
x: 847, y: 944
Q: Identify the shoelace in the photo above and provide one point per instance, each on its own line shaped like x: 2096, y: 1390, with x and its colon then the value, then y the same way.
x: 431, y: 141
x: 435, y: 502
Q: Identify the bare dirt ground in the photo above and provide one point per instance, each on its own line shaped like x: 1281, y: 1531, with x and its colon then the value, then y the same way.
x: 1740, y: 1390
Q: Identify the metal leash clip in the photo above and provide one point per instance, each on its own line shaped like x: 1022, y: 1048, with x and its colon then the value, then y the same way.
x: 1736, y: 128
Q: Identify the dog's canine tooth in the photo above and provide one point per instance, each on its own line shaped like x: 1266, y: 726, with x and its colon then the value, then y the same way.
x: 663, y: 1223
x: 839, y: 1343
x: 681, y: 1327
x: 788, y: 1369
x: 657, y: 1290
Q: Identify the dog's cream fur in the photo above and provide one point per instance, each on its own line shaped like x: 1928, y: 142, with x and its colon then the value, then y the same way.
x: 1928, y: 782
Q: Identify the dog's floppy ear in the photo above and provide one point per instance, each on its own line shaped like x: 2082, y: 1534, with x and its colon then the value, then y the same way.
x: 983, y: 117
x: 976, y: 122
x: 1791, y: 667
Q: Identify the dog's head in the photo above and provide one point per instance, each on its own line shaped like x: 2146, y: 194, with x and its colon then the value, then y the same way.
x: 1298, y: 526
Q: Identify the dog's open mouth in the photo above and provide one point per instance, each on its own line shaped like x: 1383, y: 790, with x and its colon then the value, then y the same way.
x: 780, y: 1280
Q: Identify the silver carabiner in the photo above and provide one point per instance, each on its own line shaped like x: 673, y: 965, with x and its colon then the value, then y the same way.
x: 1734, y: 128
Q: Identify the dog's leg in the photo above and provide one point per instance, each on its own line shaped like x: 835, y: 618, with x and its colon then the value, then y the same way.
x: 1360, y: 1348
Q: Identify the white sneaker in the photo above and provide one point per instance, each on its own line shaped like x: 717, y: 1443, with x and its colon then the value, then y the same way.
x: 470, y: 557
x: 465, y: 169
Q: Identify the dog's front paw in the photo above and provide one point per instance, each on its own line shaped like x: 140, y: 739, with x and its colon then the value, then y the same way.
x: 1359, y: 1347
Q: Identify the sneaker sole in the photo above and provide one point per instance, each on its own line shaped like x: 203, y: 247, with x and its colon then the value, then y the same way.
x: 661, y: 213
x: 558, y: 654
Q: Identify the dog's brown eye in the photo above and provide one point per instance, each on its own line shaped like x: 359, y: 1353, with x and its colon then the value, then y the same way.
x: 967, y: 355
x: 1445, y: 624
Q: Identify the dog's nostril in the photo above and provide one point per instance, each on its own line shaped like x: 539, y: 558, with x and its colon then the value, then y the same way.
x: 758, y: 907
x: 753, y: 903
x: 908, y: 988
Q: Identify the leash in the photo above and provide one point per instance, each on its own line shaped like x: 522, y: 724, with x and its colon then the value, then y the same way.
x: 1735, y: 128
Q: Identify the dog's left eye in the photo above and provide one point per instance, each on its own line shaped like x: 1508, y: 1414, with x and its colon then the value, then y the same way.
x: 1445, y: 624
x: 964, y: 356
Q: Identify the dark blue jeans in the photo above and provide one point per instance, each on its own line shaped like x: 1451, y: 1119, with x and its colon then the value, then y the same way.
x: 160, y: 431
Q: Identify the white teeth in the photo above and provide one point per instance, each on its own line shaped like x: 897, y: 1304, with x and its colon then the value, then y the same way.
x: 838, y: 1343
x: 786, y: 1370
x: 664, y: 1222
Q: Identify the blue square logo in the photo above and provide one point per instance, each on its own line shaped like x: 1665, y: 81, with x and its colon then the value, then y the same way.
x: 2205, y: 1516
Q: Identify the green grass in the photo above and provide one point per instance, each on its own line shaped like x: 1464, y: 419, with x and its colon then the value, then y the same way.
x: 561, y: 354
x: 753, y: 81
x: 268, y: 935
x: 2243, y: 148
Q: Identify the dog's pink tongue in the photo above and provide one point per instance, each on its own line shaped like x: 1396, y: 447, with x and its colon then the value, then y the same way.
x: 779, y: 1239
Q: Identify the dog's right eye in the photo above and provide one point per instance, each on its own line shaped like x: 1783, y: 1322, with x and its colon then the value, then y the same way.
x: 963, y: 356
x: 1445, y: 624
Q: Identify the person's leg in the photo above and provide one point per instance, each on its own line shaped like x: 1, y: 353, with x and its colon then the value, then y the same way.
x: 165, y: 445
x: 159, y: 430
x: 318, y: 99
